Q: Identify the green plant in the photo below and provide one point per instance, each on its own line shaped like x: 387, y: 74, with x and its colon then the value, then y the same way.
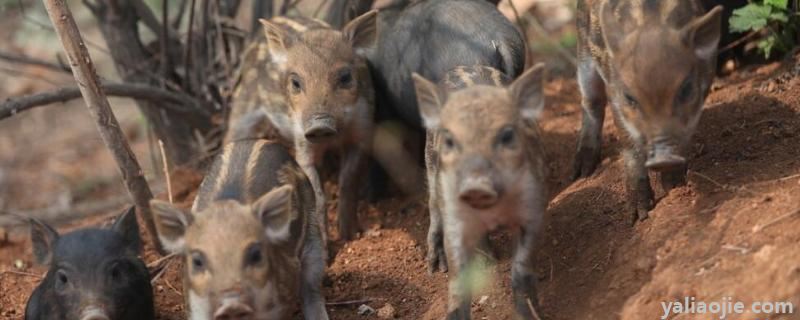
x: 775, y: 18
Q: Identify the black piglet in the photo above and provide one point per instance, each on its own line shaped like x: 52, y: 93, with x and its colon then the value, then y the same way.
x: 94, y: 274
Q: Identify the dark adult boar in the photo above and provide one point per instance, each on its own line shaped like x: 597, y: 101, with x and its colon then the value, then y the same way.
x: 655, y: 61
x: 95, y: 274
x: 309, y: 85
x: 431, y: 38
x: 251, y: 243
x: 486, y: 169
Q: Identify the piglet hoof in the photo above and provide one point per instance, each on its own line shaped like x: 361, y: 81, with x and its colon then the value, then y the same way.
x: 437, y: 260
x: 639, y: 215
x: 640, y: 206
x: 673, y: 178
x: 586, y: 162
x: 458, y: 314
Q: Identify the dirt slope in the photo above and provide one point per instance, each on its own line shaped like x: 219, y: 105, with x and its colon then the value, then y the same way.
x: 725, y: 234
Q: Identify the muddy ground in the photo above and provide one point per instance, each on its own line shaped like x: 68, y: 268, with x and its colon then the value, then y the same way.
x: 733, y: 231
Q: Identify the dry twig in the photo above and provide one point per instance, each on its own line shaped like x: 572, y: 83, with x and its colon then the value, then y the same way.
x: 20, y: 273
x: 15, y: 58
x: 720, y: 185
x: 159, y: 261
x: 533, y: 311
x: 166, y: 170
x: 758, y: 228
x: 85, y: 74
x: 348, y: 303
x: 178, y: 102
x: 173, y: 288
x: 161, y: 271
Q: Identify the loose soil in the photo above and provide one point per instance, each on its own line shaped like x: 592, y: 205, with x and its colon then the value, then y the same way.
x: 729, y: 232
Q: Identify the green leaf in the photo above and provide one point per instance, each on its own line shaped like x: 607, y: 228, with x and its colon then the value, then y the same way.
x: 750, y: 17
x: 767, y: 45
x: 779, y: 16
x: 781, y: 4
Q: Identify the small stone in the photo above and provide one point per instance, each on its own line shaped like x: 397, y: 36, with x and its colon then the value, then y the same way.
x: 387, y: 312
x: 19, y: 264
x: 365, y: 310
x: 374, y: 233
x: 483, y: 300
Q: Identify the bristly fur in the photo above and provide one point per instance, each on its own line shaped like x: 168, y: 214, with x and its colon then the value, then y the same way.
x: 654, y: 61
x: 467, y: 115
x: 244, y: 202
x: 308, y: 86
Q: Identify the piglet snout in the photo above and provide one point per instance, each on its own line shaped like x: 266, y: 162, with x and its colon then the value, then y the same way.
x: 478, y: 193
x: 663, y: 156
x: 320, y: 127
x: 233, y: 308
x: 94, y: 313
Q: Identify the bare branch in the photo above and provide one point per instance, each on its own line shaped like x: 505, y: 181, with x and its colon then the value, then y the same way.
x: 10, y: 57
x: 176, y: 24
x: 62, y: 214
x: 288, y: 4
x: 260, y: 9
x: 86, y: 75
x: 187, y: 54
x: 164, y: 42
x: 228, y: 8
x: 317, y: 11
x: 147, y: 16
x: 26, y: 74
x: 539, y: 29
x: 118, y: 22
x: 177, y: 102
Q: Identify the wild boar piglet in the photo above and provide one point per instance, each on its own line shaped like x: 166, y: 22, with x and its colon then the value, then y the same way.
x: 251, y: 244
x: 95, y: 274
x: 655, y: 61
x: 309, y: 85
x: 486, y: 169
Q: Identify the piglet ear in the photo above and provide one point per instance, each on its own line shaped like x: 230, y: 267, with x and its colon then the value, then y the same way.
x: 613, y: 30
x: 171, y: 224
x: 277, y: 39
x: 43, y: 238
x: 128, y: 228
x: 703, y: 34
x: 274, y: 210
x: 363, y: 30
x: 528, y: 92
x: 429, y: 100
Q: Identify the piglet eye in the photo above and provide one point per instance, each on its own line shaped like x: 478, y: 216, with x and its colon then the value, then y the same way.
x: 506, y: 137
x: 448, y: 141
x: 631, y: 101
x: 686, y: 92
x: 295, y: 83
x: 198, y: 262
x: 345, y: 77
x: 115, y: 272
x: 253, y: 255
x: 61, y: 280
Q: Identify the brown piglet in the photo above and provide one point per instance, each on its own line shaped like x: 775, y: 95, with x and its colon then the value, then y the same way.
x: 654, y: 60
x: 486, y: 169
x: 309, y: 86
x: 251, y: 243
